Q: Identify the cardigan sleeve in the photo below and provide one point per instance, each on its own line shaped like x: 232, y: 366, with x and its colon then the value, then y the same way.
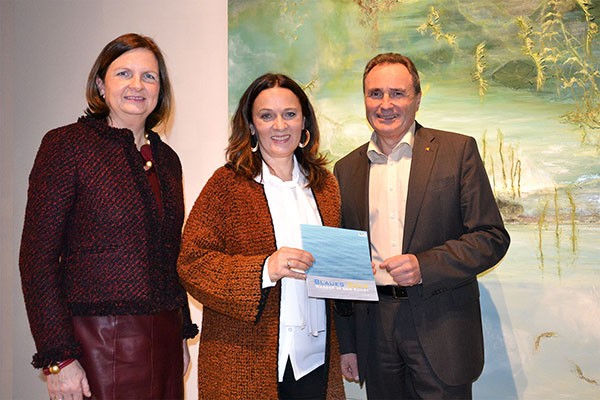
x: 50, y: 199
x: 227, y: 237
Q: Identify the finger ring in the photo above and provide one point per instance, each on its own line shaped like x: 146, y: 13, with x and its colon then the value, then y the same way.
x: 288, y: 263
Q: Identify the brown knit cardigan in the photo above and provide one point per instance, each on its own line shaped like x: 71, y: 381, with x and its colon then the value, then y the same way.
x: 226, y: 240
x: 93, y: 242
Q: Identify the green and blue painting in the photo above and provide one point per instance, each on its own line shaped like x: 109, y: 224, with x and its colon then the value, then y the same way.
x: 520, y: 76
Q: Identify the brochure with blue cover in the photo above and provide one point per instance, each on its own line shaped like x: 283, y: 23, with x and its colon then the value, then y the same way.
x: 342, y: 267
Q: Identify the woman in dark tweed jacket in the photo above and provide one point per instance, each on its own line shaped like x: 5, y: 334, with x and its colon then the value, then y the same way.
x: 101, y: 238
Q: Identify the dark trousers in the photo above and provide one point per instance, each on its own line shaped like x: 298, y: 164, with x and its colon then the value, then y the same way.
x: 312, y: 386
x: 397, y: 367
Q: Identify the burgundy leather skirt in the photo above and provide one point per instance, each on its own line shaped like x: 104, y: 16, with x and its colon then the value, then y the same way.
x: 132, y: 356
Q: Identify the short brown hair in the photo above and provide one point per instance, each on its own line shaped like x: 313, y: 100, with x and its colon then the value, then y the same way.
x: 248, y: 164
x: 394, y: 58
x: 97, y: 106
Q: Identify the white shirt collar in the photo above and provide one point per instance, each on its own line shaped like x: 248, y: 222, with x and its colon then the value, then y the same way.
x: 298, y: 176
x: 377, y: 156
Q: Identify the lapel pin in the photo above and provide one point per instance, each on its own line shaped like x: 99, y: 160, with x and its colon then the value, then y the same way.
x: 427, y: 148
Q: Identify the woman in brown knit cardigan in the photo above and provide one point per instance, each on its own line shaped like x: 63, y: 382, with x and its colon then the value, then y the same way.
x: 262, y: 337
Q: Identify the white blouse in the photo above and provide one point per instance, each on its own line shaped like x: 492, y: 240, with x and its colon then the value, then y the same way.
x: 302, y: 319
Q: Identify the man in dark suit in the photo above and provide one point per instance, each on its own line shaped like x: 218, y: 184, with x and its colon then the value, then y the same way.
x: 425, y: 199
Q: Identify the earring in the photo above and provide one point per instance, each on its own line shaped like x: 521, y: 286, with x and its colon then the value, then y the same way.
x: 253, y: 147
x: 303, y: 145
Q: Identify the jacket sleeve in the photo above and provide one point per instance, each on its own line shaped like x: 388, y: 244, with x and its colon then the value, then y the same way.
x: 190, y: 330
x: 343, y: 316
x: 222, y: 255
x: 469, y: 242
x: 50, y: 199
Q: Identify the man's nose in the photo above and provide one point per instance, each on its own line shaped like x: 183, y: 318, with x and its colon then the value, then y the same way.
x: 386, y: 101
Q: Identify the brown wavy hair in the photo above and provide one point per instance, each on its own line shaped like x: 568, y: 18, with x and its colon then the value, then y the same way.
x: 97, y: 107
x: 394, y: 58
x: 248, y: 164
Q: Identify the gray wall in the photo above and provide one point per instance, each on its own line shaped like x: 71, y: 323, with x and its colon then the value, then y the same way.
x: 46, y: 50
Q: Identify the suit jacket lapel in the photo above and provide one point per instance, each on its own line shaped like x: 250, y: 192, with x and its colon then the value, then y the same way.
x: 424, y: 153
x: 362, y: 180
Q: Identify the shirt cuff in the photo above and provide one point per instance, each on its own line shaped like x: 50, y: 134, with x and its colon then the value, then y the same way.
x: 266, y: 280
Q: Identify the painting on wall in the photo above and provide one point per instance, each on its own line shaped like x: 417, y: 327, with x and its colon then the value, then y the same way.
x: 520, y: 76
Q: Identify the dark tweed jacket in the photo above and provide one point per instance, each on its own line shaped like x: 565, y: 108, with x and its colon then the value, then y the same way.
x: 226, y: 240
x: 93, y: 242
